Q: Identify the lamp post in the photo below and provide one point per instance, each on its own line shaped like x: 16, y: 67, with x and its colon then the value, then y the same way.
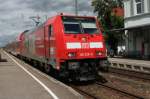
x: 76, y: 7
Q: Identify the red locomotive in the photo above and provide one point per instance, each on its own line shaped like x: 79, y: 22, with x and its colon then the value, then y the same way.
x: 73, y: 46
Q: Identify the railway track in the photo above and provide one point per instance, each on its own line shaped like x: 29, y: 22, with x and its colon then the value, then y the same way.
x: 84, y: 93
x: 110, y: 85
x: 130, y: 83
x: 129, y: 73
x: 89, y: 95
x: 107, y: 88
x: 120, y: 91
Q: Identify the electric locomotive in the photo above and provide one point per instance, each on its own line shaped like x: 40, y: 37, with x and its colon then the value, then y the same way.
x: 73, y: 46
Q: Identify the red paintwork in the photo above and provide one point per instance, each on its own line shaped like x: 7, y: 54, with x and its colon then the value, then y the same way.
x: 58, y: 40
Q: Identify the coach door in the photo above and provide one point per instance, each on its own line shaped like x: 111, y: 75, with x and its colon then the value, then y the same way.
x: 51, y: 46
x: 50, y: 51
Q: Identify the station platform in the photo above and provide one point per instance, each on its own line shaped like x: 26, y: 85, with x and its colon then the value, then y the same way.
x: 21, y: 81
x: 130, y: 64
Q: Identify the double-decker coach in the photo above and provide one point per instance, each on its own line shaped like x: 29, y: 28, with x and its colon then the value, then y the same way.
x: 73, y: 46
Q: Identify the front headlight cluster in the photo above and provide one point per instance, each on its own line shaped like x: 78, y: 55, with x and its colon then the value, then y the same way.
x: 71, y: 54
x: 100, y: 53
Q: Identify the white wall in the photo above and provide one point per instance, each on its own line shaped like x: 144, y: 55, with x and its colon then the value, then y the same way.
x: 130, y: 8
x: 135, y: 39
x: 131, y: 18
x: 138, y: 20
x: 146, y: 6
x: 127, y: 7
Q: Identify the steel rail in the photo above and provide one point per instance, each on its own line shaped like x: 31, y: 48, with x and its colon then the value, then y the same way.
x: 129, y: 73
x: 85, y: 93
x: 119, y: 90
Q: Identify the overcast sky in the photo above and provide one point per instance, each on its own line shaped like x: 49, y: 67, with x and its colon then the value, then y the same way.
x: 14, y: 14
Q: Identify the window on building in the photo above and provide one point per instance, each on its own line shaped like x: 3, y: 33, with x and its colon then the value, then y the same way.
x: 139, y: 6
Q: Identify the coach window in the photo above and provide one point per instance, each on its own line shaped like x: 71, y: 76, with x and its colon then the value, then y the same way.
x: 50, y: 30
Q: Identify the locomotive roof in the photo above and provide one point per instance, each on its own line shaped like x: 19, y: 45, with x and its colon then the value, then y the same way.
x: 61, y: 15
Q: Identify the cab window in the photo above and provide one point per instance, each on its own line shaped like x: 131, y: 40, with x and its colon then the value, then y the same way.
x: 77, y: 25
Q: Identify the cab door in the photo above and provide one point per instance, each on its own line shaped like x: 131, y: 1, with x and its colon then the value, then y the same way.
x: 47, y: 41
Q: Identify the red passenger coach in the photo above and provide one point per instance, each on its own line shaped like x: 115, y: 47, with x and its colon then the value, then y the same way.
x: 71, y: 45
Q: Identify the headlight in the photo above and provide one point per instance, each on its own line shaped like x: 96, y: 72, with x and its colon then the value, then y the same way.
x: 71, y: 54
x: 99, y: 53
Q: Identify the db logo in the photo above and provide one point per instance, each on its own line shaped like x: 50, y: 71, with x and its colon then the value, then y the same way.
x: 85, y: 45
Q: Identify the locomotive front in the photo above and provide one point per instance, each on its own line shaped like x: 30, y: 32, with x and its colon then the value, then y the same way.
x: 84, y: 49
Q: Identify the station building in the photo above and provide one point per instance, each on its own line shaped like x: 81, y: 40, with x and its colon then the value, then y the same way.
x: 137, y: 28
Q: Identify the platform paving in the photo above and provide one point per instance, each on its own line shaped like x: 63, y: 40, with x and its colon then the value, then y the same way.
x: 26, y: 82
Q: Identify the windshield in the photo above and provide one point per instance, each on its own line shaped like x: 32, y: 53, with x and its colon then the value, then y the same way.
x: 89, y: 27
x: 72, y: 27
x: 79, y: 25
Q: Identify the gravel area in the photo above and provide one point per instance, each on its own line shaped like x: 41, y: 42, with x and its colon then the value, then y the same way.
x: 102, y: 92
x: 130, y: 85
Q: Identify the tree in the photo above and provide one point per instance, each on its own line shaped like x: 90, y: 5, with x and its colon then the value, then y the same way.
x: 104, y: 10
x: 109, y: 20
